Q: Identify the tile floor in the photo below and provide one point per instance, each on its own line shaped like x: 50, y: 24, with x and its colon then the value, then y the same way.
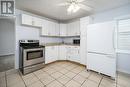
x: 61, y: 74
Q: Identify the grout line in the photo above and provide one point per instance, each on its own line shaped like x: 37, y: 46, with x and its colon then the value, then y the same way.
x: 38, y: 79
x: 20, y: 74
x: 100, y: 81
x: 86, y: 79
x: 5, y: 79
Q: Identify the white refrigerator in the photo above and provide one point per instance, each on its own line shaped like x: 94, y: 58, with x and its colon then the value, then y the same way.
x: 101, y: 56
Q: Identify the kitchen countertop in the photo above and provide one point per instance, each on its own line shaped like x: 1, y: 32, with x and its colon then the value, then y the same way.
x: 57, y: 44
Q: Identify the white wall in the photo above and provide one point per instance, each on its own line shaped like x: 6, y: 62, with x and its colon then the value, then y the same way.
x: 123, y: 60
x: 7, y: 37
x: 111, y: 14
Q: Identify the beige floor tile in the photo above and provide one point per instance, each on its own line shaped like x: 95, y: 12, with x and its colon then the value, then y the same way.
x: 45, y: 68
x: 54, y: 84
x: 80, y: 79
x: 108, y: 82
x: 85, y: 73
x: 63, y: 79
x: 95, y: 77
x: 64, y: 71
x: 12, y: 71
x: 70, y: 67
x: 47, y: 79
x: 51, y: 70
x: 70, y: 74
x: 123, y: 80
x: 30, y: 75
x: 13, y: 79
x: 89, y: 83
x: 2, y: 82
x: 36, y: 84
x: 56, y: 75
x: 19, y: 84
x: 65, y: 65
x: 58, y: 68
x: 2, y: 74
x: 40, y: 76
x: 30, y: 81
x: 72, y: 83
x: 77, y: 70
x: 38, y: 72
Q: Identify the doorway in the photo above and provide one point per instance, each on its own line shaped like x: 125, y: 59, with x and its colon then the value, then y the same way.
x: 7, y: 44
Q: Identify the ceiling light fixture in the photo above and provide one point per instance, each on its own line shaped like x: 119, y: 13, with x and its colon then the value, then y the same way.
x: 73, y: 7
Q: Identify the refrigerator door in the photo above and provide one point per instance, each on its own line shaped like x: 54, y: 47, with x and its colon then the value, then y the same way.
x: 100, y: 37
x: 105, y: 64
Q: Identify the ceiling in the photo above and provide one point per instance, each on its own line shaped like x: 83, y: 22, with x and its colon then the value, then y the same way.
x: 50, y: 8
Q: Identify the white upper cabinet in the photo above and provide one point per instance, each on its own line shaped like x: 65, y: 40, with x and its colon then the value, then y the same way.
x: 50, y: 28
x: 31, y: 21
x: 36, y: 22
x: 73, y: 28
x: 63, y: 30
x: 57, y: 29
x: 26, y: 19
x: 45, y: 27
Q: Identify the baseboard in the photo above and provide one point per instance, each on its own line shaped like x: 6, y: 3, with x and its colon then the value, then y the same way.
x: 6, y: 54
x: 66, y: 61
x: 123, y: 71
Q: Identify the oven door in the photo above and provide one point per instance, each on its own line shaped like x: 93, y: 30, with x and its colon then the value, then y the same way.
x: 33, y: 56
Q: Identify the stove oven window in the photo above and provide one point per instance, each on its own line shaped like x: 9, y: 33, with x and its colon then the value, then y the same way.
x: 34, y: 54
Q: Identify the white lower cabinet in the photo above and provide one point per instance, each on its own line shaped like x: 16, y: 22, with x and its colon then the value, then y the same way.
x: 73, y: 53
x: 62, y: 52
x: 51, y: 53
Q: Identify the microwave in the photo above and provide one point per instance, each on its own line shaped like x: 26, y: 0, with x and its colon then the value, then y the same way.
x: 76, y: 41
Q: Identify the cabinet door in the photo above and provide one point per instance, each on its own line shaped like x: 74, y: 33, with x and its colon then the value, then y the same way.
x: 102, y: 63
x: 51, y: 54
x: 70, y: 29
x: 37, y: 22
x: 62, y: 52
x: 76, y: 27
x: 52, y: 29
x: 57, y: 29
x: 63, y: 30
x: 73, y: 53
x: 26, y: 19
x: 45, y: 28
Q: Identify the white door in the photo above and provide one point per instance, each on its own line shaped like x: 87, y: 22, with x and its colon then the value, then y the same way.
x: 51, y: 54
x: 100, y: 37
x: 62, y: 52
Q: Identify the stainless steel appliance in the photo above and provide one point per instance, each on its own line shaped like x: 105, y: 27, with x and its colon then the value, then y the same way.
x: 31, y: 56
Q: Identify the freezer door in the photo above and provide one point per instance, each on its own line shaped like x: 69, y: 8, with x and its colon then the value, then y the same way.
x: 105, y: 64
x: 100, y: 37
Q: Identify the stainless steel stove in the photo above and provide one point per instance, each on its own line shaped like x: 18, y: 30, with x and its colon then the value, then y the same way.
x: 31, y: 56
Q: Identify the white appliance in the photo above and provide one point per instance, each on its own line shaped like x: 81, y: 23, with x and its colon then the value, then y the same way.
x: 101, y: 56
